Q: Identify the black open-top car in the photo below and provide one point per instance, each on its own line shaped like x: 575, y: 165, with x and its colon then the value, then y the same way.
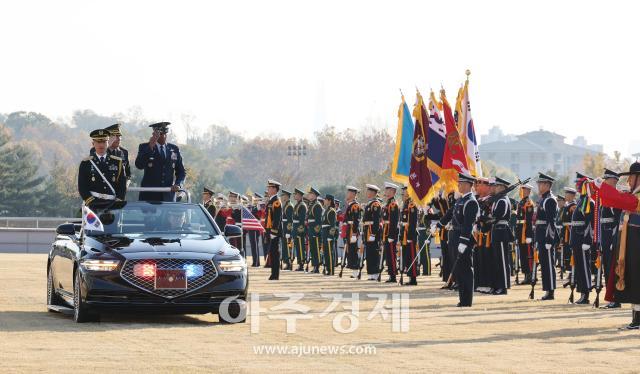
x: 154, y: 257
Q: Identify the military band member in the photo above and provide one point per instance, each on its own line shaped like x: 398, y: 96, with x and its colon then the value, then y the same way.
x: 287, y: 229
x: 524, y: 231
x: 101, y: 178
x: 463, y: 217
x: 609, y: 222
x: 273, y: 227
x: 314, y: 231
x: 390, y: 219
x: 409, y: 237
x: 207, y: 201
x: 501, y: 237
x: 329, y: 229
x: 623, y: 286
x: 581, y: 240
x: 371, y: 231
x: 352, y: 221
x: 545, y: 234
x: 299, y: 229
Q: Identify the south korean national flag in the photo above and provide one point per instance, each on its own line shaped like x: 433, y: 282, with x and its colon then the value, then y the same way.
x: 91, y: 220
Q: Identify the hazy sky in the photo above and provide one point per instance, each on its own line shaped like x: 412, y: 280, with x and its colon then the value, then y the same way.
x: 289, y: 67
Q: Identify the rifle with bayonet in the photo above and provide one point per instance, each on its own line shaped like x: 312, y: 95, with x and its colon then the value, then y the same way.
x: 534, y: 275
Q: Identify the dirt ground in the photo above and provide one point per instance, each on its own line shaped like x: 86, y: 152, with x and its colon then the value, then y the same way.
x: 498, y: 334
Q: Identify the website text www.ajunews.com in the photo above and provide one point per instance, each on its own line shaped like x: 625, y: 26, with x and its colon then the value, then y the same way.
x: 320, y: 350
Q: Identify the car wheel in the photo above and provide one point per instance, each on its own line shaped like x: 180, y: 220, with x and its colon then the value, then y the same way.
x: 81, y: 312
x: 235, y: 309
x: 52, y: 298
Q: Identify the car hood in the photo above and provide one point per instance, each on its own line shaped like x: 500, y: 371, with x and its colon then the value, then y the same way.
x: 216, y: 245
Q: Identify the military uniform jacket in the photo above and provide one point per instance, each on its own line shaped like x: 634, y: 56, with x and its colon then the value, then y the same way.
x: 123, y: 154
x: 371, y: 220
x: 463, y: 217
x: 211, y: 207
x: 315, y: 219
x: 546, y: 213
x: 273, y: 223
x: 287, y: 219
x: 408, y: 222
x: 236, y: 215
x: 329, y: 217
x: 160, y: 171
x: 352, y: 219
x: 524, y: 220
x: 565, y: 218
x: 484, y: 222
x: 582, y: 222
x: 89, y: 180
x: 609, y: 221
x: 390, y: 219
x: 299, y: 218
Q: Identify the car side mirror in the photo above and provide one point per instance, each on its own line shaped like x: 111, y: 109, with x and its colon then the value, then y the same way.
x: 66, y: 229
x: 232, y: 231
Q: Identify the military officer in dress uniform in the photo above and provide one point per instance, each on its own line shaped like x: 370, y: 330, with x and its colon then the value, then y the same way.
x: 101, y: 178
x: 115, y: 136
x: 371, y: 231
x: 390, y: 219
x: 352, y: 221
x: 273, y: 227
x: 463, y: 217
x: 483, y: 253
x: 329, y: 217
x: 545, y: 234
x: 569, y: 206
x: 207, y: 201
x: 501, y: 238
x: 162, y: 165
x: 582, y: 239
x: 299, y: 229
x: 559, y: 249
x: 314, y: 230
x: 287, y: 228
x: 524, y: 231
x: 409, y: 237
x: 609, y: 222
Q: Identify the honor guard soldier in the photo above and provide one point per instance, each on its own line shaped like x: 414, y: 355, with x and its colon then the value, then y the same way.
x: 352, y: 221
x: 422, y: 237
x: 442, y: 206
x: 299, y: 229
x: 623, y: 286
x: 221, y: 216
x: 314, y: 232
x: 559, y: 249
x: 162, y: 165
x: 391, y: 220
x: 287, y: 228
x: 409, y: 237
x: 581, y: 239
x: 101, y: 178
x: 273, y: 227
x: 483, y: 267
x: 524, y: 231
x: 545, y: 234
x: 371, y: 231
x: 609, y: 222
x: 207, y: 194
x: 501, y: 238
x: 463, y: 217
x: 570, y: 204
x: 329, y: 218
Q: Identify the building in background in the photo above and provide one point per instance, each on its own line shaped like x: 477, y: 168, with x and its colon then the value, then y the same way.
x: 537, y: 151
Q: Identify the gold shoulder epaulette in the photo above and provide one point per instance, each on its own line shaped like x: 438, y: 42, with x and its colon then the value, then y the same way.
x: 115, y: 157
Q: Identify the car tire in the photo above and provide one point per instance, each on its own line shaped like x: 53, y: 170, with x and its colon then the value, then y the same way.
x: 81, y: 312
x: 234, y: 312
x: 52, y: 297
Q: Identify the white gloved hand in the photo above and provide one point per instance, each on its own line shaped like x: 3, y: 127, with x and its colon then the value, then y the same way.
x: 329, y: 240
x: 433, y: 230
x: 547, y: 246
x: 408, y: 241
x: 390, y: 240
x: 288, y: 236
x: 586, y: 247
x: 273, y: 236
x: 461, y: 248
x: 372, y: 238
x: 354, y: 239
x: 598, y: 182
x: 528, y: 240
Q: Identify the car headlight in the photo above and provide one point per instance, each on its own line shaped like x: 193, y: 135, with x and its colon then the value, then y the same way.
x: 99, y: 265
x: 232, y: 265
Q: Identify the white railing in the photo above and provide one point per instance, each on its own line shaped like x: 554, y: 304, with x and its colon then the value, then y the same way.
x: 33, y: 222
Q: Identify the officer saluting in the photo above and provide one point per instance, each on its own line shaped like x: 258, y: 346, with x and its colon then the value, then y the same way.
x: 463, y: 216
x: 101, y: 176
x: 162, y: 164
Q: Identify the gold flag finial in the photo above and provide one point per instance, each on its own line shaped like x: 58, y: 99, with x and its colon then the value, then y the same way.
x: 468, y: 73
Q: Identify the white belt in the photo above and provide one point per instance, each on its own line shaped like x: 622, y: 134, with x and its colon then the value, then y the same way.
x: 606, y: 220
x: 539, y: 222
x: 385, y: 221
x: 577, y: 223
x: 421, y: 228
x: 404, y: 223
x: 367, y: 223
x: 326, y: 225
x: 295, y: 221
x: 350, y: 222
x: 503, y: 222
x: 284, y: 220
x: 102, y: 196
x: 521, y: 221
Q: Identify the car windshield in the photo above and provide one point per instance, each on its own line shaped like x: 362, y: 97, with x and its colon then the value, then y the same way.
x: 166, y: 220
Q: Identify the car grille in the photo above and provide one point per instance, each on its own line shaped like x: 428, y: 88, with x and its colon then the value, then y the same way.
x: 147, y: 283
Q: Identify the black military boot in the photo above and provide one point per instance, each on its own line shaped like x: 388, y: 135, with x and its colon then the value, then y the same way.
x: 548, y: 296
x: 501, y: 291
x: 612, y: 305
x: 584, y: 299
x: 412, y: 282
x: 635, y: 322
x: 527, y: 279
